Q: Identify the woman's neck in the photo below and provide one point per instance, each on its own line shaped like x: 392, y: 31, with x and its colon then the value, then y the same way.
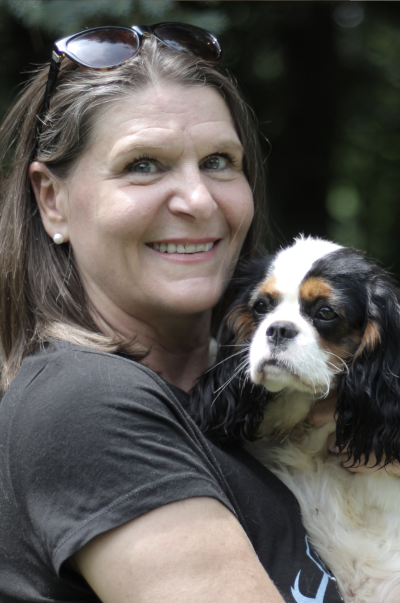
x: 178, y: 347
x: 179, y: 367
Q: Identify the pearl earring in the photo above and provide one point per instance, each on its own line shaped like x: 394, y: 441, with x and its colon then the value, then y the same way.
x: 58, y: 238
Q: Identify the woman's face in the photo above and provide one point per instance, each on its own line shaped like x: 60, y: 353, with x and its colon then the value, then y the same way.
x: 158, y: 207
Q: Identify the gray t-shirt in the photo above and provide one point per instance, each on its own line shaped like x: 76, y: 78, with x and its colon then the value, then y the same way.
x: 89, y: 441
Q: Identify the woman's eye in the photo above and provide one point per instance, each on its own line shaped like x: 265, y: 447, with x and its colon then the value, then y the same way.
x: 215, y: 163
x: 326, y: 313
x: 143, y: 167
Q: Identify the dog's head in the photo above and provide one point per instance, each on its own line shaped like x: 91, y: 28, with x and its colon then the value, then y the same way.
x: 303, y: 320
x: 314, y: 317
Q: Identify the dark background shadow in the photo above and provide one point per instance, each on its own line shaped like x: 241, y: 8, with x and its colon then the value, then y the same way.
x: 323, y: 78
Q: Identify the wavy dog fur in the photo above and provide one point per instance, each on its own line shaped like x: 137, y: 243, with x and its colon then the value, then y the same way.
x: 314, y: 318
x: 225, y: 404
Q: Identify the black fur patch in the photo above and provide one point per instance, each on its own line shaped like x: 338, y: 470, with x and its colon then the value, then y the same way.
x: 225, y: 404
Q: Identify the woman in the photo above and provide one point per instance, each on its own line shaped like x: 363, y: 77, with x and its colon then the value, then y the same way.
x: 129, y: 202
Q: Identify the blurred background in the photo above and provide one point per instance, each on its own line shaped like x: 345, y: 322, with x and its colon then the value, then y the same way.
x: 323, y: 78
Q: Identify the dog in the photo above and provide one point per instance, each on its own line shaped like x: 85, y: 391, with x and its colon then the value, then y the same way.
x: 313, y: 319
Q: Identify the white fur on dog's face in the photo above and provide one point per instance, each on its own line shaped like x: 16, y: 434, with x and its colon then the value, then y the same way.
x: 301, y: 361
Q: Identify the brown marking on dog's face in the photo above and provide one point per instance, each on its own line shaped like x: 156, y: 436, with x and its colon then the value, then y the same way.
x: 269, y: 288
x: 370, y: 340
x: 341, y: 352
x: 241, y: 321
x: 314, y: 288
x: 337, y: 339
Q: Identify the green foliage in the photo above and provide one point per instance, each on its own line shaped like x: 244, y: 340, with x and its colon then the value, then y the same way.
x: 64, y: 17
x: 366, y: 149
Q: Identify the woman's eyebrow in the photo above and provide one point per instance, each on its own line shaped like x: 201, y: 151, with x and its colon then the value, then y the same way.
x: 228, y: 147
x: 220, y: 144
x: 164, y: 142
x: 135, y: 143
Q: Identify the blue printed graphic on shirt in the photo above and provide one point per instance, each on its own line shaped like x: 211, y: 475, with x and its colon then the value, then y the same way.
x: 326, y: 576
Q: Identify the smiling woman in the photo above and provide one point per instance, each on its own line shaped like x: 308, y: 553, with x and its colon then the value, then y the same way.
x: 85, y: 106
x: 130, y: 199
x: 116, y: 207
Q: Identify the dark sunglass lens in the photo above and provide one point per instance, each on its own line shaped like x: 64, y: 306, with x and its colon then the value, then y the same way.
x: 190, y: 39
x: 104, y: 47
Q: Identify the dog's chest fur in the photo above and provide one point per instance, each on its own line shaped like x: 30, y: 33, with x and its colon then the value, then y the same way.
x: 315, y: 323
x: 317, y: 318
x: 353, y: 520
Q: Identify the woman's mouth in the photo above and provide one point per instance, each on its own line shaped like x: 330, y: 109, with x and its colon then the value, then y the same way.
x: 188, y: 248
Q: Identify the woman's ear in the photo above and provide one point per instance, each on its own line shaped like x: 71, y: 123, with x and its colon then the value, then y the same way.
x: 50, y: 198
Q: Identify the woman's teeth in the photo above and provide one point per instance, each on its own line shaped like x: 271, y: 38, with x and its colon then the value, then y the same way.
x: 189, y: 248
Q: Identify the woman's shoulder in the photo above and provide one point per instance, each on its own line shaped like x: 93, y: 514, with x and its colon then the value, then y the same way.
x: 62, y: 357
x: 63, y: 383
x: 90, y: 441
x: 85, y: 407
x: 67, y: 367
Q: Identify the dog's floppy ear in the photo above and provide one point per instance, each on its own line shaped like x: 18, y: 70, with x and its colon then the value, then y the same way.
x: 225, y: 404
x: 369, y: 393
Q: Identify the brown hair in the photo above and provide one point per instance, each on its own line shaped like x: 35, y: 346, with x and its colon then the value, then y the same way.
x: 41, y: 293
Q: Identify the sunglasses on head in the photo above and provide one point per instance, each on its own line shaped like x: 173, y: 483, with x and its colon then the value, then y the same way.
x: 105, y: 48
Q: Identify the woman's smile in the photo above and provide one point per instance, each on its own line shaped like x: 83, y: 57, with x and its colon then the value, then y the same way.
x: 186, y: 250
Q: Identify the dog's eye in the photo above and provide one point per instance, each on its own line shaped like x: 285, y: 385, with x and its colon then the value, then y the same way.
x: 260, y: 307
x: 326, y: 313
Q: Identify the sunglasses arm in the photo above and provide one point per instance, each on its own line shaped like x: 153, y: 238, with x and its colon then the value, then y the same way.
x: 143, y: 30
x: 50, y: 85
x: 51, y: 81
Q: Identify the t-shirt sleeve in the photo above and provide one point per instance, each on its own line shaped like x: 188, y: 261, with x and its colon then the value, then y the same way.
x: 98, y: 440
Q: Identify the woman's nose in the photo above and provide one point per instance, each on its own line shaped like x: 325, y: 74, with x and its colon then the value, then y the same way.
x: 192, y: 196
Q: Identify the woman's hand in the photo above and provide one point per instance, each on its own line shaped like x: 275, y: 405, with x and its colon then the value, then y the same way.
x: 323, y: 412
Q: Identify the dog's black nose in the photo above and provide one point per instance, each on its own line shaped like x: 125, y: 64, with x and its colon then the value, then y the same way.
x: 280, y: 332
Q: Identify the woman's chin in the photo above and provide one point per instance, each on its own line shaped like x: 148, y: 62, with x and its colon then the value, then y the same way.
x: 195, y: 302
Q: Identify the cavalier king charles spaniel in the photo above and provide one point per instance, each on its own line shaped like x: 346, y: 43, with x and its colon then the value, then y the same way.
x: 313, y: 319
